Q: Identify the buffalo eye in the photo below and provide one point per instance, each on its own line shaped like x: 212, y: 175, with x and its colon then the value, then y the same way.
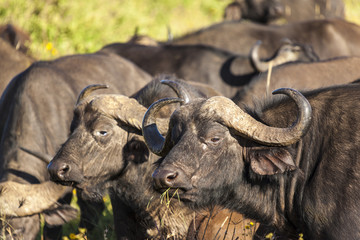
x: 214, y: 140
x: 102, y: 133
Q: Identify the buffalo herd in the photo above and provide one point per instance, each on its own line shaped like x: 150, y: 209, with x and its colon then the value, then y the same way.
x: 185, y: 136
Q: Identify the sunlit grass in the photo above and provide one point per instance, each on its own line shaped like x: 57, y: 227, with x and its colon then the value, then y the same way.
x: 352, y: 10
x: 86, y: 26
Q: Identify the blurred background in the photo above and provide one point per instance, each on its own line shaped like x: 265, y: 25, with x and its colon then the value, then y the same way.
x: 61, y: 27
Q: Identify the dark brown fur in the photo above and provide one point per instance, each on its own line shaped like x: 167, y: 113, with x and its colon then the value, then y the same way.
x: 121, y: 160
x: 301, y: 76
x: 319, y: 198
x: 262, y: 11
x: 36, y: 111
x: 12, y: 62
x: 224, y: 71
x: 329, y: 37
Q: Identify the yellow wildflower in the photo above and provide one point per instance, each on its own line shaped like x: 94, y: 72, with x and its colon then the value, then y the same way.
x: 49, y: 46
x: 269, y: 236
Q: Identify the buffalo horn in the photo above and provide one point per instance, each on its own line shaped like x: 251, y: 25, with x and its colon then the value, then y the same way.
x: 89, y: 89
x: 254, y: 55
x: 153, y: 139
x: 17, y: 200
x: 246, y: 126
x: 286, y: 53
x: 179, y: 89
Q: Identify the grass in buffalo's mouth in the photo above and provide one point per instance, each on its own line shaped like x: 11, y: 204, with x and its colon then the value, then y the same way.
x: 165, y: 196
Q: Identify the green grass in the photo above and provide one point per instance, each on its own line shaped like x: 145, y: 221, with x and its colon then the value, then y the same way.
x: 61, y: 27
x: 352, y: 10
x: 86, y: 26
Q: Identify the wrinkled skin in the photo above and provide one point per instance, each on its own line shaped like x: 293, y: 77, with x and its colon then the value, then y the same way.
x: 38, y: 103
x: 222, y: 70
x: 110, y: 151
x: 318, y: 74
x: 223, y: 168
x: 329, y: 37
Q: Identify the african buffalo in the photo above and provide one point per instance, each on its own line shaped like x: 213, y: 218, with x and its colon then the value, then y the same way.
x: 110, y: 151
x: 294, y: 166
x: 277, y: 11
x: 263, y: 11
x: 301, y: 76
x: 36, y: 111
x: 312, y: 9
x: 224, y: 71
x: 329, y: 37
x: 12, y: 62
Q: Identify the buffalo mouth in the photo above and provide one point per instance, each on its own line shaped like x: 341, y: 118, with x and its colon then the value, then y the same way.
x: 180, y: 194
x: 66, y: 183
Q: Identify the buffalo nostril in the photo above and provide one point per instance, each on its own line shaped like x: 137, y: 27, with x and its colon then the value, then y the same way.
x: 63, y: 170
x: 58, y: 171
x: 170, y: 177
x: 164, y: 178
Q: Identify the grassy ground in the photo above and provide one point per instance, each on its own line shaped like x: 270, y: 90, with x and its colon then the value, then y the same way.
x: 61, y: 27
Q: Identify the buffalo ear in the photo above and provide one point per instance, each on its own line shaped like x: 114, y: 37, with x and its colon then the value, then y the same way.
x: 136, y: 151
x: 271, y: 161
x: 60, y: 215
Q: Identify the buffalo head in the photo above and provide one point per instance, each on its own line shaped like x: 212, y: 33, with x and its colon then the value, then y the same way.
x: 212, y: 145
x: 84, y: 159
x: 288, y: 52
x: 105, y: 140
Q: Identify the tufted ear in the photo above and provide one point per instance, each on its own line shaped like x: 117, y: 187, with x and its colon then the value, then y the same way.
x: 136, y: 151
x: 271, y: 161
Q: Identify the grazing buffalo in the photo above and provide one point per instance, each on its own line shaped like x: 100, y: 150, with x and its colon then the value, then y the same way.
x: 224, y: 71
x: 292, y: 164
x: 265, y: 11
x: 329, y: 37
x: 36, y: 111
x: 262, y: 11
x: 12, y: 62
x: 304, y: 76
x: 110, y: 152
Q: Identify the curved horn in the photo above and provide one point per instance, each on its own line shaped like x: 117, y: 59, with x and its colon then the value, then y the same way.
x: 153, y: 139
x: 127, y: 110
x: 288, y: 52
x: 89, y: 89
x: 17, y: 200
x: 246, y: 126
x: 261, y: 66
x: 42, y: 156
x: 235, y: 80
x: 179, y: 89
